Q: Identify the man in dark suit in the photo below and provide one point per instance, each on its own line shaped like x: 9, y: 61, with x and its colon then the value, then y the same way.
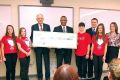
x: 92, y: 32
x: 40, y: 51
x: 63, y: 54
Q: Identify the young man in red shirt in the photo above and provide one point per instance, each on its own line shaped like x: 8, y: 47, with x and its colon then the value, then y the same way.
x: 24, y: 53
x: 82, y: 51
x: 98, y: 50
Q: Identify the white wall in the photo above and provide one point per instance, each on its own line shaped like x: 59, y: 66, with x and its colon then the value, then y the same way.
x: 105, y: 4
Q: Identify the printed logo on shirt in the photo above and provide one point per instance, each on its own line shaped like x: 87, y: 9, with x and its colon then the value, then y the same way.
x: 81, y: 38
x: 10, y: 42
x: 100, y: 41
x: 27, y: 43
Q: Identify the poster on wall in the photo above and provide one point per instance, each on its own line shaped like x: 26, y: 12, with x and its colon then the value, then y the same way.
x: 104, y: 16
x: 5, y: 18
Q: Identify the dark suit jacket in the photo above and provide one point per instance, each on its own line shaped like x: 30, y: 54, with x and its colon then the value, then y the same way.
x: 90, y: 31
x: 68, y: 30
x: 35, y: 27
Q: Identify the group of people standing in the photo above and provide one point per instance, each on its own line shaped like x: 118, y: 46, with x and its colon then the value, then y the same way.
x: 96, y: 47
x: 12, y: 47
x: 93, y: 48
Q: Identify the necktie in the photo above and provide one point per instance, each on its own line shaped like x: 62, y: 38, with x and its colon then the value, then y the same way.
x: 41, y: 29
x: 94, y: 31
x: 63, y: 28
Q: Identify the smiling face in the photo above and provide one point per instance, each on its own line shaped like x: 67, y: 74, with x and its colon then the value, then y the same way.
x: 81, y: 28
x: 94, y: 23
x: 63, y: 20
x: 40, y: 18
x: 112, y: 28
x: 9, y: 30
x: 23, y: 32
x: 100, y: 29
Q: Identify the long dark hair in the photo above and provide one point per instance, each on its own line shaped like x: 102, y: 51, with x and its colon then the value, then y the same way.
x: 20, y: 30
x: 115, y: 25
x: 13, y: 34
x: 103, y: 32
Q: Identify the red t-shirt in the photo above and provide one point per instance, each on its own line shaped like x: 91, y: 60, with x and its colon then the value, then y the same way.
x: 24, y: 42
x: 99, y: 45
x: 9, y: 46
x: 84, y: 40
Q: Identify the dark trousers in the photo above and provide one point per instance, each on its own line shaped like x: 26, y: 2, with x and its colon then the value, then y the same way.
x: 112, y: 52
x: 81, y: 64
x: 24, y: 68
x: 10, y: 64
x: 98, y: 64
x: 63, y: 57
x: 89, y: 68
x: 39, y: 52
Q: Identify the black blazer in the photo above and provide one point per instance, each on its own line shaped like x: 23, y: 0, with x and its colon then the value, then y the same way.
x: 35, y: 27
x: 68, y: 30
x: 90, y: 31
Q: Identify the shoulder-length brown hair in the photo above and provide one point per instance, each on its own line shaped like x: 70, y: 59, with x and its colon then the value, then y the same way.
x: 103, y: 32
x: 115, y: 25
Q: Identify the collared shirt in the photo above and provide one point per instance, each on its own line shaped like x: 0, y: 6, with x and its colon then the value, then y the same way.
x: 94, y: 29
x: 64, y: 28
x: 40, y: 27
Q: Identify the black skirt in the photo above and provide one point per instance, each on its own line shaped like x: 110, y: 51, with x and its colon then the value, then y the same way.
x: 112, y: 52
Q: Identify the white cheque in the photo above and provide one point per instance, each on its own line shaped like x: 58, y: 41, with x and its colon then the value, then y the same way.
x: 54, y: 40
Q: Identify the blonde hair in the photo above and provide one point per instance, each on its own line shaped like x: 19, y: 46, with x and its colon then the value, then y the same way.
x: 114, y: 68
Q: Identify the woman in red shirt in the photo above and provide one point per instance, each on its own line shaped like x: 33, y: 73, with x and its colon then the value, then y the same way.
x: 98, y: 50
x: 9, y: 52
x: 82, y: 51
x: 24, y: 53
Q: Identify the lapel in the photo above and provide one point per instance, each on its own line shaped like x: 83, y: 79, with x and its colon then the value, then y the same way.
x: 67, y: 29
x: 37, y: 27
x: 43, y: 27
x: 93, y: 32
x: 60, y: 29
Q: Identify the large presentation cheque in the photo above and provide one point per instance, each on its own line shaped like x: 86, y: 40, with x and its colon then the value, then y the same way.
x: 54, y: 39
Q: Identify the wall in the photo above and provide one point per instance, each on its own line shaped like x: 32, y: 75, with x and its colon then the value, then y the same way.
x: 105, y: 4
